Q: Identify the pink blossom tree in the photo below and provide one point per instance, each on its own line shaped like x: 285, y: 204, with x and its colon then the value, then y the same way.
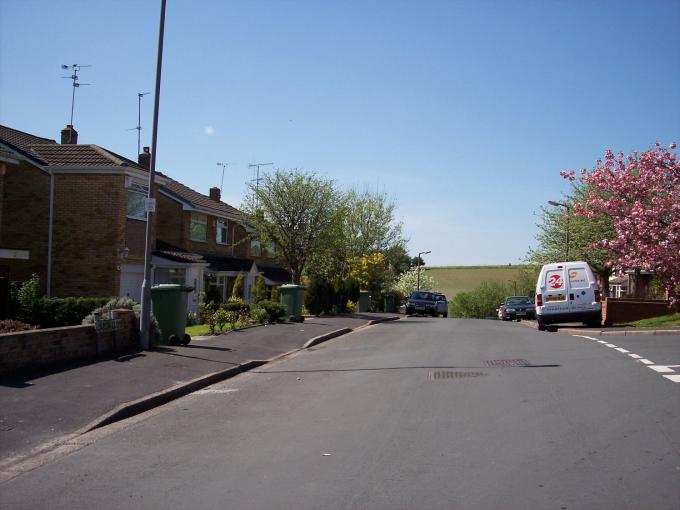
x: 641, y: 194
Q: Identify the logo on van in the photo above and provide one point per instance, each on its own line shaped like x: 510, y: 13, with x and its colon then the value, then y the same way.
x: 555, y: 281
x: 572, y: 274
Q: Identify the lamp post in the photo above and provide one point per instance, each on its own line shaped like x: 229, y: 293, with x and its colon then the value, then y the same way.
x: 419, y: 254
x: 566, y: 206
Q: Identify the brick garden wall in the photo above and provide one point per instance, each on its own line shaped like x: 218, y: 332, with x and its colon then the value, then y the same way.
x: 29, y: 350
x: 615, y: 310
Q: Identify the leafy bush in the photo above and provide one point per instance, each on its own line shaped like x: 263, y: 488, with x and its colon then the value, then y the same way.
x: 12, y: 326
x: 58, y: 312
x: 275, y: 311
x: 260, y: 315
x: 276, y: 295
x: 479, y: 303
x: 351, y: 306
x: 220, y: 319
x: 28, y: 297
x: 237, y: 305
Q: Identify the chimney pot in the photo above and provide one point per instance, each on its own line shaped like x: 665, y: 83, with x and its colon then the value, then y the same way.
x: 69, y: 135
x: 144, y: 158
x: 215, y: 194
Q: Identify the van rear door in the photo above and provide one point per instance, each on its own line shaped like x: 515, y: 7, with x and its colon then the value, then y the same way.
x: 581, y: 289
x: 555, y: 292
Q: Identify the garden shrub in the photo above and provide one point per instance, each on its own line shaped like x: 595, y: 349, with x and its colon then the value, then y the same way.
x: 237, y: 305
x: 276, y: 295
x: 275, y: 311
x: 319, y: 297
x: 239, y: 284
x: 260, y: 315
x: 259, y: 290
x: 127, y: 304
x: 12, y: 326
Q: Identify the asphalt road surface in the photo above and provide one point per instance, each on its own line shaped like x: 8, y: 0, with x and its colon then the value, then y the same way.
x: 420, y: 413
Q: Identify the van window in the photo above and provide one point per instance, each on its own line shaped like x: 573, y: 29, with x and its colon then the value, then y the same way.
x: 578, y: 278
x: 554, y: 279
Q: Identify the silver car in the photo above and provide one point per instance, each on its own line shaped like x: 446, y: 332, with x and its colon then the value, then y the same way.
x: 442, y: 305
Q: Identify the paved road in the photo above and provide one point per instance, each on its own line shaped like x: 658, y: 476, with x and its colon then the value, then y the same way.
x: 418, y: 413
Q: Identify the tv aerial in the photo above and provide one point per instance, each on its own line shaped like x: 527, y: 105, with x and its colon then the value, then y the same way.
x: 138, y: 128
x: 75, y: 68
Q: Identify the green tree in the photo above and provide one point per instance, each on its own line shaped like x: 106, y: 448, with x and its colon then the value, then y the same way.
x: 296, y: 211
x: 584, y: 233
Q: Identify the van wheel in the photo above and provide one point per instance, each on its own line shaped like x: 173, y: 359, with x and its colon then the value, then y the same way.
x: 541, y: 326
x: 592, y: 324
x: 445, y: 315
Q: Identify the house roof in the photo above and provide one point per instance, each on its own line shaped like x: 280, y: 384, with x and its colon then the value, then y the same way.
x: 57, y: 155
x: 22, y: 140
x: 69, y: 155
x: 170, y: 252
x: 275, y: 274
x: 222, y: 263
x: 199, y: 200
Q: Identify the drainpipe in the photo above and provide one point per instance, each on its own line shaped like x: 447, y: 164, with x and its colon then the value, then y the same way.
x: 233, y: 238
x: 49, y: 238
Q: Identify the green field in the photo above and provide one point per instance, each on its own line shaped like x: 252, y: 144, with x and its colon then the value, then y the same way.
x: 454, y: 279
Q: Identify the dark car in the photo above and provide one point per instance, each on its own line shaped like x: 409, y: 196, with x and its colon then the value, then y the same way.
x: 517, y: 308
x: 422, y: 301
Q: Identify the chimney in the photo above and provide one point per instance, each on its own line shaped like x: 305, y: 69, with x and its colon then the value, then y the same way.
x: 215, y: 194
x: 144, y: 158
x: 69, y: 135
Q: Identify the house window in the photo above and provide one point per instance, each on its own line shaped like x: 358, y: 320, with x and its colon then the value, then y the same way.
x: 169, y: 275
x: 221, y: 231
x: 199, y: 227
x: 255, y: 250
x: 270, y: 250
x: 135, y: 205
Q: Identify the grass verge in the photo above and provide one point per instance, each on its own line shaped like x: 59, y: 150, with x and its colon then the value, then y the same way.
x: 664, y: 321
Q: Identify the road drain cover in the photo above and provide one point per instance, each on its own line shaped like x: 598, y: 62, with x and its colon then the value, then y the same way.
x: 432, y: 376
x: 502, y: 363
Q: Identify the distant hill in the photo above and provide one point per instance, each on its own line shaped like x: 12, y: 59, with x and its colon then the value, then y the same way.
x: 453, y: 279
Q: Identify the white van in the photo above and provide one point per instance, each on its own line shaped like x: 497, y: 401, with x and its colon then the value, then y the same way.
x: 567, y: 292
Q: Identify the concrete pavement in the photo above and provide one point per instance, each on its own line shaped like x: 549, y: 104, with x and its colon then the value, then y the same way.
x: 40, y: 411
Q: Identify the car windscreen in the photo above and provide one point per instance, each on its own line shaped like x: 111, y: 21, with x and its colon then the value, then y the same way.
x: 518, y: 301
x: 426, y: 296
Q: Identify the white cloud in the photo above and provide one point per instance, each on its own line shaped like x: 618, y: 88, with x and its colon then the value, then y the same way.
x: 209, y: 130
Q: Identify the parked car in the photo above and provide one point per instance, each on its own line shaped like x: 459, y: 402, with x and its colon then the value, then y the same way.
x: 516, y: 308
x: 422, y: 301
x: 567, y: 292
x: 442, y: 305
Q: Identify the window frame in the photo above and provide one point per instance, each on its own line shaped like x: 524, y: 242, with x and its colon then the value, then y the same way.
x: 219, y: 226
x: 131, y: 193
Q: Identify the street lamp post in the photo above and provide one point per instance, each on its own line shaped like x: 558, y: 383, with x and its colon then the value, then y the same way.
x: 418, y: 272
x: 566, y: 206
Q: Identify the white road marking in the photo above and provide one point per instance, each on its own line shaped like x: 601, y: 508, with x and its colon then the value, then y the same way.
x: 636, y: 356
x: 588, y: 337
x: 674, y: 378
x: 661, y: 368
x: 611, y: 345
x: 621, y: 349
x: 646, y: 361
x: 673, y: 366
x: 601, y: 342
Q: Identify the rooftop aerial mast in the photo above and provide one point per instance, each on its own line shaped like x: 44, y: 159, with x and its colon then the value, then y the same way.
x: 75, y: 68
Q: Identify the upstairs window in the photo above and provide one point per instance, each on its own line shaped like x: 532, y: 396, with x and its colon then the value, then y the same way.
x: 270, y: 250
x: 221, y: 232
x: 255, y: 249
x: 199, y: 227
x: 135, y: 206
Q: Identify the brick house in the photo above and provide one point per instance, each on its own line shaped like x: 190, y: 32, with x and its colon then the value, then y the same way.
x: 73, y: 213
x: 204, y: 243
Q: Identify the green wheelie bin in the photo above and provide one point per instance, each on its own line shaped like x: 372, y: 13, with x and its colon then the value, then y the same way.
x: 169, y: 306
x: 291, y: 297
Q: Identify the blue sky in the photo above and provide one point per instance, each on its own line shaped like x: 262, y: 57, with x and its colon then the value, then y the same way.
x: 463, y: 112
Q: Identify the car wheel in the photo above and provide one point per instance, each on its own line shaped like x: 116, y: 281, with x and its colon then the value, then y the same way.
x: 409, y: 311
x: 541, y: 326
